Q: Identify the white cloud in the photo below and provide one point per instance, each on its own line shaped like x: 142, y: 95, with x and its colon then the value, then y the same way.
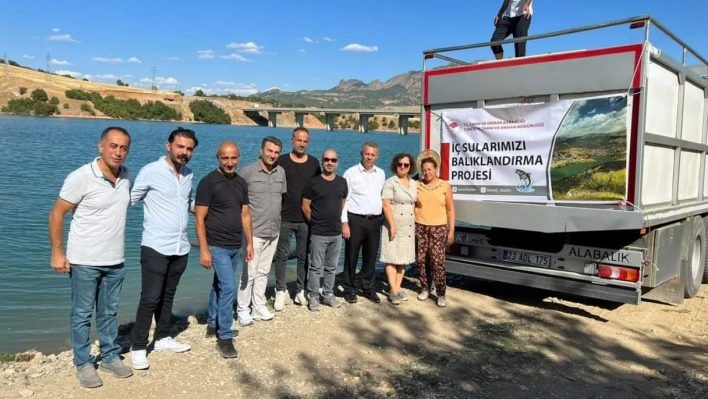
x: 173, y: 58
x: 107, y: 60
x: 62, y: 38
x: 128, y: 76
x: 247, y: 48
x: 160, y: 81
x: 134, y: 60
x: 70, y: 73
x: 307, y: 40
x: 239, y: 89
x: 106, y: 77
x: 356, y: 47
x: 55, y: 61
x: 206, y: 54
x: 234, y: 56
x: 55, y: 30
x: 327, y: 39
x: 301, y: 50
x: 223, y: 83
x: 28, y: 56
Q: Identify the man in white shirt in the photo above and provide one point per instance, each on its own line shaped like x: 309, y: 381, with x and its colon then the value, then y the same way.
x: 361, y: 223
x: 165, y: 188
x: 513, y: 18
x: 98, y: 195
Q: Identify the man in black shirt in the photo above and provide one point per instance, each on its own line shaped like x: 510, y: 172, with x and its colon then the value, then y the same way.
x: 222, y: 221
x: 322, y: 203
x: 299, y: 169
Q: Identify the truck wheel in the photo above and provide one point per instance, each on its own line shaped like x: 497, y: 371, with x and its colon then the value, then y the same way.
x: 696, y: 258
x: 705, y: 264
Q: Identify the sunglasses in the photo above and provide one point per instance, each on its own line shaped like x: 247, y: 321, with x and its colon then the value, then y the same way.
x: 333, y: 160
x: 403, y: 165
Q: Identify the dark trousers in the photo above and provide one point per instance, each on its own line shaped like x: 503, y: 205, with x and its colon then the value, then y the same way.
x: 160, y: 275
x: 282, y: 253
x: 365, y: 236
x: 518, y: 27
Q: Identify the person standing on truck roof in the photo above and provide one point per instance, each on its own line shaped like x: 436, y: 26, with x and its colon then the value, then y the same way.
x: 361, y: 224
x: 434, y: 225
x: 514, y: 18
x: 398, y: 230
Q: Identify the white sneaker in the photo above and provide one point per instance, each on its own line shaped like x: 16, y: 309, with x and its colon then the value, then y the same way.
x: 279, y: 303
x: 171, y: 345
x: 300, y: 298
x: 263, y: 314
x: 139, y: 359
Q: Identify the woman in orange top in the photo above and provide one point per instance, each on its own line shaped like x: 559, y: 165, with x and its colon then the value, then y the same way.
x: 434, y: 226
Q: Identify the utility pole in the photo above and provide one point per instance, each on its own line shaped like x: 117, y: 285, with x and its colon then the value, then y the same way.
x: 49, y: 60
x: 154, y: 79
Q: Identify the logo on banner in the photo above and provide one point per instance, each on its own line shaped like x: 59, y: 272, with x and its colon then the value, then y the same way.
x: 453, y: 125
x: 526, y: 183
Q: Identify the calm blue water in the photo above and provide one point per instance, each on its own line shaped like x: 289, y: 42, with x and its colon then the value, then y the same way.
x: 36, y: 154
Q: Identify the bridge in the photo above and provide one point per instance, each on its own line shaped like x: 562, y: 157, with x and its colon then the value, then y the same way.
x: 331, y: 114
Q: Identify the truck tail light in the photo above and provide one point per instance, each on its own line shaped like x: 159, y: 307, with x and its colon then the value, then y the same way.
x: 617, y: 273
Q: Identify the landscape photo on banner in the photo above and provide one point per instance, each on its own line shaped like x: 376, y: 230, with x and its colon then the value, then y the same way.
x: 569, y: 150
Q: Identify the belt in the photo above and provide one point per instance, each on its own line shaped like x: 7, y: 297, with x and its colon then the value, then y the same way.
x: 367, y: 217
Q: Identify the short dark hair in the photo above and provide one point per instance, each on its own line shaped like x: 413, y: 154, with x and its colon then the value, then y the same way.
x: 428, y: 160
x: 300, y: 129
x: 105, y: 132
x: 271, y: 139
x: 182, y: 132
x: 397, y: 158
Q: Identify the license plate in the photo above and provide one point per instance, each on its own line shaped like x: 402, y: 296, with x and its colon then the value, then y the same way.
x: 523, y: 257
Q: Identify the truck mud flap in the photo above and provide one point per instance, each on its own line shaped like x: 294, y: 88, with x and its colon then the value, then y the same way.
x: 551, y: 283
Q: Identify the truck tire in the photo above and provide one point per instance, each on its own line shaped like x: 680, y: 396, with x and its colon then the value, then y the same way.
x: 695, y: 258
x: 705, y: 264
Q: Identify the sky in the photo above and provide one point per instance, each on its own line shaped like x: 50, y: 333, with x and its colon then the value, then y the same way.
x: 244, y: 47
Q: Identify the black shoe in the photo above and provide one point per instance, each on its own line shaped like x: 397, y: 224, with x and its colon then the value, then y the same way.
x: 351, y: 298
x: 226, y: 348
x: 372, y: 296
x: 211, y: 332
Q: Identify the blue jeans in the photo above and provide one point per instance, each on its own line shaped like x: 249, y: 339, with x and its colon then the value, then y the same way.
x: 227, y: 267
x: 100, y: 286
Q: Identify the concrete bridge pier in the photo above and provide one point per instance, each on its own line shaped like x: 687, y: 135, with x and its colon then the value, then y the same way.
x: 402, y: 124
x: 299, y: 119
x: 273, y: 119
x: 329, y: 121
x: 364, y: 122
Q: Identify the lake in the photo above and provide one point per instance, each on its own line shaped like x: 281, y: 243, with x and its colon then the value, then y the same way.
x: 36, y: 154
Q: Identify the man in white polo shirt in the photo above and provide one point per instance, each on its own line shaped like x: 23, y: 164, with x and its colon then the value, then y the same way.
x: 98, y: 193
x: 513, y: 18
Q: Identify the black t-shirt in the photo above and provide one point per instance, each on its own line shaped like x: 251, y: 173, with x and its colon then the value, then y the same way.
x: 297, y: 175
x: 326, y: 206
x: 225, y: 198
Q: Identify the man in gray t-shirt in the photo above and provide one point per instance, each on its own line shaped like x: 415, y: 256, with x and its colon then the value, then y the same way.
x: 266, y: 185
x: 98, y: 194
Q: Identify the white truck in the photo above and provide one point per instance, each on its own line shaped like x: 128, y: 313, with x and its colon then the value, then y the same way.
x: 579, y: 172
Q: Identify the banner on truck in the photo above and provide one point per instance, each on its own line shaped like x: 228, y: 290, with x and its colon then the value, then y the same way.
x: 570, y: 150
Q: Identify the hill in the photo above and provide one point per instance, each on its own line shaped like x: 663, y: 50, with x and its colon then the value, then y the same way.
x: 401, y: 91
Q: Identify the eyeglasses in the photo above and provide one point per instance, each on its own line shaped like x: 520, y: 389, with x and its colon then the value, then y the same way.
x: 333, y: 160
x: 403, y: 165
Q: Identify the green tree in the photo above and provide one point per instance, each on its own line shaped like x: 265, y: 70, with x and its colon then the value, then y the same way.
x: 373, y: 124
x: 23, y: 90
x: 208, y: 112
x: 199, y: 93
x: 39, y: 95
x: 54, y: 101
x: 120, y: 83
x: 391, y: 125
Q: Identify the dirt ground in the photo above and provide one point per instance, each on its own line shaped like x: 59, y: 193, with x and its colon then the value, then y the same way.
x: 492, y: 341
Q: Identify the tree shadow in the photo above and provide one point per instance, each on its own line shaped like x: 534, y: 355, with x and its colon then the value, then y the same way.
x: 506, y: 351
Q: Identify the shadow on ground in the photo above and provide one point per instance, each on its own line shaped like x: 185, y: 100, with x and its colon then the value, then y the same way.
x: 538, y: 350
